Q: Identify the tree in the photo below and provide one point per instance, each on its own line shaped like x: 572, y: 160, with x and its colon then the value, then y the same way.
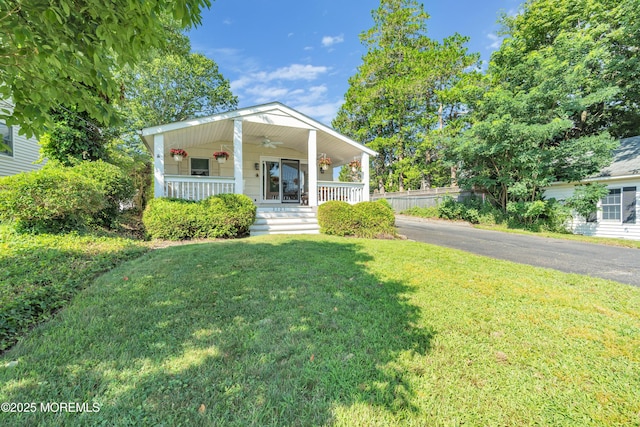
x: 553, y: 103
x: 74, y: 137
x: 393, y: 100
x: 175, y: 87
x: 66, y: 53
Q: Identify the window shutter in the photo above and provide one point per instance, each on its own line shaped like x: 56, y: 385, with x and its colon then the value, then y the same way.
x: 629, y: 205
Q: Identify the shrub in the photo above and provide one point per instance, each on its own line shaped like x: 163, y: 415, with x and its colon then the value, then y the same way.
x: 365, y: 219
x: 116, y: 187
x: 53, y: 199
x: 374, y: 219
x: 337, y: 218
x: 425, y: 212
x: 223, y: 215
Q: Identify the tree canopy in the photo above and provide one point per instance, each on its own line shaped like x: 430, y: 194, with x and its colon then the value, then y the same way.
x: 400, y: 93
x: 561, y: 87
x: 67, y: 53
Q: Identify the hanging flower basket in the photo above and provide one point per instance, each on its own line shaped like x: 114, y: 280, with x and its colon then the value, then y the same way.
x: 178, y: 154
x: 355, y: 165
x: 324, y: 163
x: 221, y: 156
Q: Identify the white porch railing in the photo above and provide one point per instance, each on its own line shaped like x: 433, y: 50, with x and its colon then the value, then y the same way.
x: 350, y: 192
x: 197, y: 187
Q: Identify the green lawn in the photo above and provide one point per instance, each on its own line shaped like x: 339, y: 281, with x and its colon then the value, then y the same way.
x: 41, y: 273
x: 317, y: 330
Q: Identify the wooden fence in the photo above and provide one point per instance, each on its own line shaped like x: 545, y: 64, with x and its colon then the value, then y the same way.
x: 401, y: 201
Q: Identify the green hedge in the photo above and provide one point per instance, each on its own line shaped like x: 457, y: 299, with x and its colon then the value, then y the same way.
x: 114, y: 184
x: 365, y: 219
x: 51, y: 199
x: 223, y: 215
x: 59, y: 198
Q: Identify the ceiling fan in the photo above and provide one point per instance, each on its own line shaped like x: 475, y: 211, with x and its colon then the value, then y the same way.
x: 266, y: 142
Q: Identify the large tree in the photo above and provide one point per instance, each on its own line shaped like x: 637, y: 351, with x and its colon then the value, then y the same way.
x: 393, y: 101
x: 175, y: 87
x: 65, y: 52
x: 561, y: 87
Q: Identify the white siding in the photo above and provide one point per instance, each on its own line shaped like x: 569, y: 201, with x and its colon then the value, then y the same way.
x: 25, y: 153
x: 602, y: 228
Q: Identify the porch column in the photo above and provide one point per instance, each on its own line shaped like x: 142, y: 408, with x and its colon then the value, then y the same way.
x: 364, y: 163
x: 312, y: 152
x: 158, y: 165
x: 237, y: 156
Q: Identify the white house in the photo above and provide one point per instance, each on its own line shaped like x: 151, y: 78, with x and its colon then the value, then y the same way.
x: 618, y: 213
x: 275, y: 156
x: 22, y: 153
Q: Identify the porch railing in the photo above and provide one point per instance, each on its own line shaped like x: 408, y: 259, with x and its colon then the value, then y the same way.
x: 350, y: 192
x: 197, y: 187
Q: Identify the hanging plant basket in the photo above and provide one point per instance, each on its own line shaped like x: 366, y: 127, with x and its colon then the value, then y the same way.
x: 221, y: 156
x: 178, y: 154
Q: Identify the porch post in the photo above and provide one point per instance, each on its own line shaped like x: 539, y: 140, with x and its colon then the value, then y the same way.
x: 237, y: 156
x: 158, y: 165
x: 364, y: 163
x: 312, y: 152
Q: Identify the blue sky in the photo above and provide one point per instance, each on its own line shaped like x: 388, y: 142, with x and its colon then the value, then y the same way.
x: 302, y: 52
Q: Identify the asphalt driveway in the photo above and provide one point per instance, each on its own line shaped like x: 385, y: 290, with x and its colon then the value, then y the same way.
x: 608, y: 262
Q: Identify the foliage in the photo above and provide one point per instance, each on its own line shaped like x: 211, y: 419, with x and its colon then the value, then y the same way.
x: 171, y: 87
x: 362, y: 332
x: 67, y: 53
x: 223, y: 215
x: 559, y: 95
x: 585, y: 199
x: 364, y: 219
x: 74, y: 137
x: 115, y: 186
x: 423, y: 212
x: 42, y: 273
x: 337, y: 218
x: 407, y: 87
x: 51, y: 199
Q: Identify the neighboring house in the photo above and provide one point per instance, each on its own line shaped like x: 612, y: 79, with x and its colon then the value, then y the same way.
x: 274, y: 152
x: 22, y: 154
x: 618, y: 213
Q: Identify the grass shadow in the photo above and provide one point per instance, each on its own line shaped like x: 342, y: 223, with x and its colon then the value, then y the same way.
x: 252, y: 332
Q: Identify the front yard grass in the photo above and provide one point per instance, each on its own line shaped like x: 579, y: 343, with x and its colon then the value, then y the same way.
x: 315, y: 330
x: 41, y: 273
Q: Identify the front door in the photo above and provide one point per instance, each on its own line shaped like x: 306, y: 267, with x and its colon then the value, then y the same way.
x: 281, y: 181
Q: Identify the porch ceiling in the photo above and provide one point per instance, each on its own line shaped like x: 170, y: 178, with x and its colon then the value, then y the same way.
x: 274, y: 121
x: 254, y: 133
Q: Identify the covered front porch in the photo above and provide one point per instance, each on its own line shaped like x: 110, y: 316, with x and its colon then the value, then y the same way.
x: 271, y: 153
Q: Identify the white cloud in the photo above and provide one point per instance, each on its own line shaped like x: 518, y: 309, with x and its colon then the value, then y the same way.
x: 328, y: 41
x: 227, y: 21
x: 290, y: 73
x: 496, y: 41
x: 324, y: 112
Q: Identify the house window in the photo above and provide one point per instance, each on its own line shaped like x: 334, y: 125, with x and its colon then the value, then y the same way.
x: 620, y: 205
x: 7, y: 140
x: 200, y: 167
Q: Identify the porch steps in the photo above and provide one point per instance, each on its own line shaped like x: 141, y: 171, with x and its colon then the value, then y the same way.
x: 285, y: 220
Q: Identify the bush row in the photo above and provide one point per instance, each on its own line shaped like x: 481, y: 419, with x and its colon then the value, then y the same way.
x: 223, y: 215
x: 58, y: 198
x: 540, y: 215
x: 365, y: 219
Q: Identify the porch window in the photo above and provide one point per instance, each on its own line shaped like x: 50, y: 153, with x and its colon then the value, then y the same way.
x: 620, y: 205
x: 7, y: 139
x: 200, y: 167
